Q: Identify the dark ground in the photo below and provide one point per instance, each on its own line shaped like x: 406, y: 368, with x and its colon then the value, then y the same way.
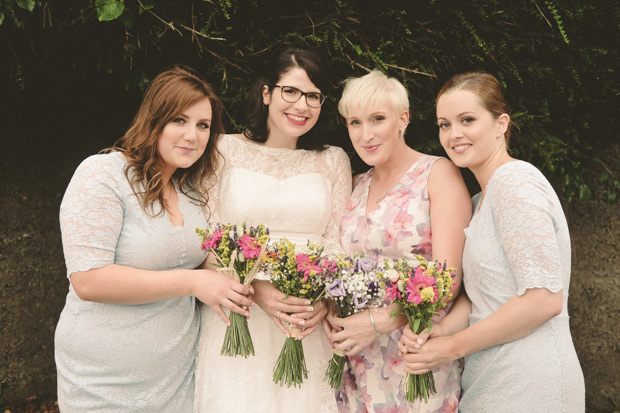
x: 47, y: 132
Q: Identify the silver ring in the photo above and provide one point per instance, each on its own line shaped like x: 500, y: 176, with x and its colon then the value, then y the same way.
x: 278, y: 317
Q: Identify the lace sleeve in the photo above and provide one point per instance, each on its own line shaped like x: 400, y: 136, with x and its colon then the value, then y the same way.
x: 91, y: 215
x: 340, y: 176
x: 524, y: 214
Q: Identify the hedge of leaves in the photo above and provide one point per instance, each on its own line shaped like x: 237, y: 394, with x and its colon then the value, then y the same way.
x: 558, y: 60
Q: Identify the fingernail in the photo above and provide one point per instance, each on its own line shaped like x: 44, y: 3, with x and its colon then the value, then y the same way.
x: 420, y: 341
x: 308, y: 303
x: 302, y: 323
x: 310, y: 309
x: 417, y: 346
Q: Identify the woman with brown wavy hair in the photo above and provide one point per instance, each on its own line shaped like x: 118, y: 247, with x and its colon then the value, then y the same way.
x: 127, y: 337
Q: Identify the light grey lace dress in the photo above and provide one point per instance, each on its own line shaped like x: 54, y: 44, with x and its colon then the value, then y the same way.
x: 125, y: 358
x: 518, y: 239
x: 297, y: 194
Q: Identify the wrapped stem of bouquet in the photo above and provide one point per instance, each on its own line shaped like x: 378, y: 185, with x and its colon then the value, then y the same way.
x: 238, y: 257
x: 420, y: 291
x: 299, y: 274
x: 355, y: 287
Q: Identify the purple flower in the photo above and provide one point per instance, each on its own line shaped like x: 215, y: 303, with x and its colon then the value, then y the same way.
x: 360, y: 300
x: 367, y: 264
x: 336, y: 289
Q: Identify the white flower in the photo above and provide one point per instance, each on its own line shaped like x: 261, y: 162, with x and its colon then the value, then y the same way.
x: 392, y: 275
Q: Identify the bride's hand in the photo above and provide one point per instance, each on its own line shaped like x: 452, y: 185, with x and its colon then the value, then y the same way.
x: 278, y: 306
x: 313, y: 318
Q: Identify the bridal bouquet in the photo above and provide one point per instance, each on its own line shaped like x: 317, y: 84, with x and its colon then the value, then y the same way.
x: 420, y: 291
x: 298, y: 272
x: 354, y: 287
x: 238, y: 252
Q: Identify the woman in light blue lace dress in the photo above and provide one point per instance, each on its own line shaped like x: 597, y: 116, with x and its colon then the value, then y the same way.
x: 127, y: 336
x: 513, y: 330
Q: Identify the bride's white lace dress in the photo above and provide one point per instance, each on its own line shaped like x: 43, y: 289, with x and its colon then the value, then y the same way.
x: 298, y: 195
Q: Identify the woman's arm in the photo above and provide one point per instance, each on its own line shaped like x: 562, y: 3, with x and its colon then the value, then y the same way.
x: 456, y: 320
x: 118, y: 284
x: 525, y: 219
x: 340, y: 177
x: 354, y: 333
x: 451, y: 210
x: 519, y: 317
x: 91, y: 221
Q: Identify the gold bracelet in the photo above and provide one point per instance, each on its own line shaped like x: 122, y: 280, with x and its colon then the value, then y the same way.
x: 372, y: 321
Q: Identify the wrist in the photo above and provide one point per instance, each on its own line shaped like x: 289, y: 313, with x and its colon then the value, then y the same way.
x: 190, y: 285
x: 457, y: 346
x: 372, y: 322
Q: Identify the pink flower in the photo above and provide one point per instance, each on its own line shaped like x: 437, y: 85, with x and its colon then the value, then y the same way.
x: 392, y: 292
x: 419, y: 287
x: 304, y: 265
x: 249, y: 246
x: 450, y: 405
x: 211, y: 241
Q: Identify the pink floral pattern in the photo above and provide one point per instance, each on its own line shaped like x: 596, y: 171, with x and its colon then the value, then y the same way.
x: 399, y: 225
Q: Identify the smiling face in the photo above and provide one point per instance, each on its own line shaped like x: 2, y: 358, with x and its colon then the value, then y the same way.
x: 470, y: 134
x: 184, y: 139
x: 376, y: 133
x: 288, y: 121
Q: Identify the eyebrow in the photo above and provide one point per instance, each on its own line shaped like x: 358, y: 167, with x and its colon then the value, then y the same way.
x: 183, y: 114
x: 459, y: 115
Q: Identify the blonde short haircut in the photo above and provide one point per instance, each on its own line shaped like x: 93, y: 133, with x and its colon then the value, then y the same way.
x: 372, y: 90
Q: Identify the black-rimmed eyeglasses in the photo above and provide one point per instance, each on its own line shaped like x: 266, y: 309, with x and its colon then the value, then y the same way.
x: 291, y: 95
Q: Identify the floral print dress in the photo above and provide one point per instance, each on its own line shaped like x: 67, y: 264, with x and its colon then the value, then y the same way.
x: 399, y: 226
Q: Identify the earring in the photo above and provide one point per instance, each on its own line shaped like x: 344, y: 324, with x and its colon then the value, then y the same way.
x: 400, y: 133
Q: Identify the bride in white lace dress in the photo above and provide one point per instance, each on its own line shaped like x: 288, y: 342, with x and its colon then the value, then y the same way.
x: 276, y: 174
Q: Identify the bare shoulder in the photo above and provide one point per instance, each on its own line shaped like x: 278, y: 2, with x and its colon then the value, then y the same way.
x: 443, y: 167
x: 446, y: 176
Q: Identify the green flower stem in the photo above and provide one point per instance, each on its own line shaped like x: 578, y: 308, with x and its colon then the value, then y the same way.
x: 420, y: 386
x: 334, y: 372
x: 237, y: 340
x: 290, y: 369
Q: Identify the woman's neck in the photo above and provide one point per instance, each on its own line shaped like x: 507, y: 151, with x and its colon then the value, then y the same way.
x: 484, y: 172
x: 396, y: 166
x: 275, y: 140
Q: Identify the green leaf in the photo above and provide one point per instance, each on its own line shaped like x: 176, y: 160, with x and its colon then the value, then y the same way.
x: 1, y: 18
x: 612, y: 196
x: 584, y: 192
x: 416, y: 325
x: 26, y: 4
x: 109, y: 9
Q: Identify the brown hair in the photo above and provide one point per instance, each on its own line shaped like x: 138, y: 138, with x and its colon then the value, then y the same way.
x: 486, y: 87
x: 170, y: 93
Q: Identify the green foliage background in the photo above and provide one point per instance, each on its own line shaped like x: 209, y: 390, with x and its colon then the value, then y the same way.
x: 558, y: 60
